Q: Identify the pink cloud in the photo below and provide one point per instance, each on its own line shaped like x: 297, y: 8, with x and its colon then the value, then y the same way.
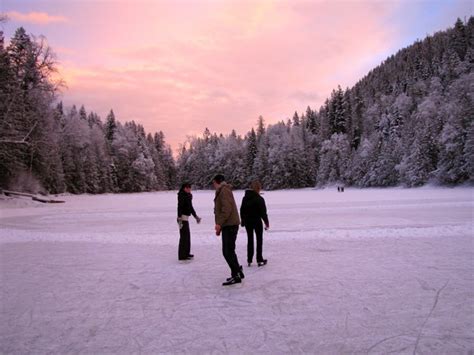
x: 223, y: 64
x: 37, y: 18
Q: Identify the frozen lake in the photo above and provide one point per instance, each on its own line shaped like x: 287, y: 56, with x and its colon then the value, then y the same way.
x: 364, y: 271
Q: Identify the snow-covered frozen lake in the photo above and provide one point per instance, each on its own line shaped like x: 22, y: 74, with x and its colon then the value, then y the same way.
x: 365, y: 271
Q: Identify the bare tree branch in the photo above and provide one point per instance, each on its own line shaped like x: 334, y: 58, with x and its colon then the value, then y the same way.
x: 11, y: 141
x: 22, y: 141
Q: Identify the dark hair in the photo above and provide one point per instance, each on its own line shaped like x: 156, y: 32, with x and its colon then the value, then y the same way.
x: 256, y: 186
x: 185, y: 185
x: 218, y: 178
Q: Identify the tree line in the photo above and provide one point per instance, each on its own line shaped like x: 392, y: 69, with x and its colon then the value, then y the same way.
x: 46, y: 148
x: 408, y: 122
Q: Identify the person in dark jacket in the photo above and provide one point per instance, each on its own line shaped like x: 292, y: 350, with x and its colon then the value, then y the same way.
x: 185, y: 210
x: 252, y: 211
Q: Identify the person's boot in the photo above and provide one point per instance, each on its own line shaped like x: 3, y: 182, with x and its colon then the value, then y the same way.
x: 233, y: 280
x: 263, y: 262
x: 241, y: 274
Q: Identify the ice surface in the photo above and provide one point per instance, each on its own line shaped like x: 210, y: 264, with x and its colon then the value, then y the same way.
x: 364, y: 271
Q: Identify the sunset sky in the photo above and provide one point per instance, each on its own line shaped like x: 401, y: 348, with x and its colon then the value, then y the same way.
x: 183, y: 65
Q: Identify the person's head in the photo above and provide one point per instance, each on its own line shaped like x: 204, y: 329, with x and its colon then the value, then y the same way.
x: 218, y: 180
x: 186, y: 187
x: 256, y: 186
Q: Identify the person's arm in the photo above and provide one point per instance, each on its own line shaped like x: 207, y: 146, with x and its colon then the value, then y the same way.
x: 263, y: 211
x: 227, y: 205
x: 180, y: 211
x: 217, y: 213
x: 224, y: 207
x: 180, y: 205
x: 243, y: 213
x: 193, y: 212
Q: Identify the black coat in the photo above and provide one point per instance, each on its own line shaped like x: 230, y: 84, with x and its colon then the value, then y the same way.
x: 185, y: 204
x: 253, y: 208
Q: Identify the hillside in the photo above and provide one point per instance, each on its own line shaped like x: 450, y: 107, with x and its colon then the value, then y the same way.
x: 409, y: 121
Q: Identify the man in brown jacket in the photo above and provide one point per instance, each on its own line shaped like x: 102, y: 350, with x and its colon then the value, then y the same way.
x: 227, y: 222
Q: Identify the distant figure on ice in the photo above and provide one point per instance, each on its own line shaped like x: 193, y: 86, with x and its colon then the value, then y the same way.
x: 227, y: 222
x: 185, y: 210
x: 252, y: 211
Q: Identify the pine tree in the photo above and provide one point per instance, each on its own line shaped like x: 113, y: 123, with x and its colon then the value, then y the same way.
x: 296, y: 119
x: 468, y: 153
x: 260, y: 128
x: 166, y: 158
x: 354, y: 134
x: 83, y: 113
x: 28, y: 131
x: 251, y: 154
x: 261, y: 166
x: 311, y: 120
x: 324, y: 119
x: 416, y: 167
x: 459, y: 39
x: 110, y: 126
x: 334, y: 159
x: 450, y: 167
x: 346, y: 113
x: 338, y: 112
x: 363, y: 159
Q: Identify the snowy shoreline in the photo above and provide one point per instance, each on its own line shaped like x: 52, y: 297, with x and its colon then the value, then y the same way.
x: 149, y: 218
x: 372, y: 271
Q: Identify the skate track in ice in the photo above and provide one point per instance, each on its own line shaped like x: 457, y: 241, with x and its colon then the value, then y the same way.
x: 365, y: 271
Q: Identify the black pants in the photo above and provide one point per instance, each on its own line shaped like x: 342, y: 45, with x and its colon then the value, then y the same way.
x: 184, y: 248
x: 229, y: 236
x: 250, y: 227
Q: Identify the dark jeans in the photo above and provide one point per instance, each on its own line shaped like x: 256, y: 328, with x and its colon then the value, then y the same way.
x: 184, y: 247
x: 229, y: 236
x: 250, y: 227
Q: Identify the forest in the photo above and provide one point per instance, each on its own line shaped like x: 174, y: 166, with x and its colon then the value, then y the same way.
x: 47, y: 148
x: 408, y: 122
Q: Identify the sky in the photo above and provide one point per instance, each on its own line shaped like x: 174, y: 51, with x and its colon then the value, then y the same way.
x: 179, y: 66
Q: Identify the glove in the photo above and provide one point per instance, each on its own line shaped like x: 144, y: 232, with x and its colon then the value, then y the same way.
x: 180, y: 222
x: 198, y: 219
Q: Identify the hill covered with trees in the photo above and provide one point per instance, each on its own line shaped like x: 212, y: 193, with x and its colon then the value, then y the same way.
x: 408, y: 122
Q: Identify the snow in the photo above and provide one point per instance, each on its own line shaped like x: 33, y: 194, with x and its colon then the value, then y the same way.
x: 364, y: 271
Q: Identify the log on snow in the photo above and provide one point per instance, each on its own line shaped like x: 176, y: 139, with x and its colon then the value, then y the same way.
x: 33, y: 197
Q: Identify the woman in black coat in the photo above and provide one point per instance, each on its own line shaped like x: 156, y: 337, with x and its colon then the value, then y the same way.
x: 252, y: 211
x: 185, y: 210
